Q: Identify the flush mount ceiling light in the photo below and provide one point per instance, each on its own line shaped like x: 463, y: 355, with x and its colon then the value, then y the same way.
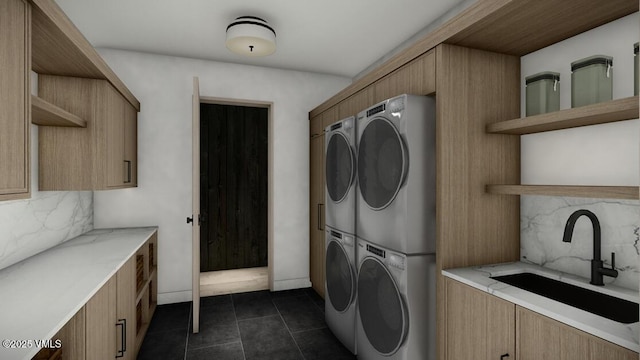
x: 251, y: 36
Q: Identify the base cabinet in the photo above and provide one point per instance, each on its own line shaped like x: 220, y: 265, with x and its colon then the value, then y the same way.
x: 540, y: 338
x: 113, y: 323
x: 482, y: 326
x: 100, y: 315
x: 479, y: 326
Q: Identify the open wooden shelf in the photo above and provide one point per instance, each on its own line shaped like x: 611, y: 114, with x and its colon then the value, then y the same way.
x: 44, y: 113
x: 58, y: 48
x: 601, y: 113
x: 600, y: 192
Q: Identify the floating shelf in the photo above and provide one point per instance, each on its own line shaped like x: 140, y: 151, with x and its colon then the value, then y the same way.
x: 601, y: 113
x: 58, y: 48
x: 44, y: 113
x: 600, y: 192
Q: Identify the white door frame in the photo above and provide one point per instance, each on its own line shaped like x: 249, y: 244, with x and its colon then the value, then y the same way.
x: 196, y: 190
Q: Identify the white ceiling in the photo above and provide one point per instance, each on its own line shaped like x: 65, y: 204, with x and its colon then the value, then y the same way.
x: 340, y: 37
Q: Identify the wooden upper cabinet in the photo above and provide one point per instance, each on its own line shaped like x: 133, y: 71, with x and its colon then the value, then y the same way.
x: 99, y: 157
x: 130, y: 145
x: 15, y: 103
x: 355, y: 103
x: 315, y: 126
x: 418, y: 77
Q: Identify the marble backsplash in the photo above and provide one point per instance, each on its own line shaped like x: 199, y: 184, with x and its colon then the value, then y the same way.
x: 542, y: 222
x: 30, y: 226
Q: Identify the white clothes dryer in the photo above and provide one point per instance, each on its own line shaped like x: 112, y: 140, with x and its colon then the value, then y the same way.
x: 340, y: 175
x: 396, y: 205
x: 396, y: 304
x: 340, y: 286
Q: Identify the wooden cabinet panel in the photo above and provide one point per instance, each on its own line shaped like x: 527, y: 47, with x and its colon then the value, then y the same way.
x: 315, y: 126
x: 99, y: 157
x: 100, y: 325
x: 15, y: 119
x: 111, y: 107
x: 330, y: 116
x: 130, y: 145
x: 355, y: 103
x: 479, y: 325
x: 316, y: 199
x: 72, y: 337
x: 126, y: 308
x: 417, y: 77
x: 540, y: 337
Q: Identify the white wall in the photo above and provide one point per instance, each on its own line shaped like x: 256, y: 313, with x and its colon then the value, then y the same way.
x: 163, y: 84
x: 593, y: 155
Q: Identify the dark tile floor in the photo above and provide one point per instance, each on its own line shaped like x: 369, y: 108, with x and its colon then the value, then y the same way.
x: 258, y: 325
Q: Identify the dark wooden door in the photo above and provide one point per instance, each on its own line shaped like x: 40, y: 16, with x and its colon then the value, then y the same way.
x: 233, y: 187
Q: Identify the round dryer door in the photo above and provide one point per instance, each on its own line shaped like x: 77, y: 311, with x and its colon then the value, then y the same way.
x: 339, y: 276
x: 382, y: 310
x: 339, y: 167
x: 381, y: 163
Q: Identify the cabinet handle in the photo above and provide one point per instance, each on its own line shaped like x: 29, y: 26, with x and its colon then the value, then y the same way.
x: 128, y: 163
x: 123, y: 337
x: 320, y: 217
x: 504, y: 356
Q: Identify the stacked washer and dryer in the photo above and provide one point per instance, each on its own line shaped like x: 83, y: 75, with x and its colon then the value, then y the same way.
x: 380, y: 217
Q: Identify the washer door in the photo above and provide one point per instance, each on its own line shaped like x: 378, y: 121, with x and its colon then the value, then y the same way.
x: 340, y: 277
x: 381, y: 163
x: 382, y: 310
x: 340, y: 168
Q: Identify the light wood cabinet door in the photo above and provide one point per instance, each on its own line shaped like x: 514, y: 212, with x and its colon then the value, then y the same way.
x: 126, y: 310
x: 110, y: 108
x: 101, y: 330
x: 316, y: 229
x: 101, y: 156
x: 15, y: 119
x: 540, y: 338
x: 478, y: 325
x: 130, y: 145
x: 355, y: 103
x: 417, y: 77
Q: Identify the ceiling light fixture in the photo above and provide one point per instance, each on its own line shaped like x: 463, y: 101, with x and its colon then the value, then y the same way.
x: 251, y: 36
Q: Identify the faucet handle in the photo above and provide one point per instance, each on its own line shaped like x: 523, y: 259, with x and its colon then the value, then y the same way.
x: 613, y: 261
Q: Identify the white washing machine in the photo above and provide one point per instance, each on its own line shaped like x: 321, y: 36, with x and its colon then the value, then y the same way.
x: 396, y: 203
x: 340, y: 175
x: 340, y: 286
x: 396, y: 304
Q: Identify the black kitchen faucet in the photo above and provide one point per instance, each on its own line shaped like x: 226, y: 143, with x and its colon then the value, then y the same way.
x: 597, y: 266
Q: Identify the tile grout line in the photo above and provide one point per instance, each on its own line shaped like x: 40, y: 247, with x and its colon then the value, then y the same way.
x: 235, y: 316
x: 186, y: 344
x: 288, y: 329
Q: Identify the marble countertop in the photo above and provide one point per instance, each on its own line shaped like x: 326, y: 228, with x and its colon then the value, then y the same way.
x: 40, y: 294
x: 479, y: 277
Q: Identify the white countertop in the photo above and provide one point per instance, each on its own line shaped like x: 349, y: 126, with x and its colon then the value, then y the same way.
x: 479, y: 277
x: 40, y: 294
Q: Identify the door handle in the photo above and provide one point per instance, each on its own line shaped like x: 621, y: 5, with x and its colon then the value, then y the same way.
x: 123, y: 337
x: 504, y: 356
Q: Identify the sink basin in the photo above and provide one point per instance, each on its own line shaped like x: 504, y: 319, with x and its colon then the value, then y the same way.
x: 604, y: 305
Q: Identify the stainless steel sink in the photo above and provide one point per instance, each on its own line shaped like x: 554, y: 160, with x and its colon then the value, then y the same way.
x: 604, y: 305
